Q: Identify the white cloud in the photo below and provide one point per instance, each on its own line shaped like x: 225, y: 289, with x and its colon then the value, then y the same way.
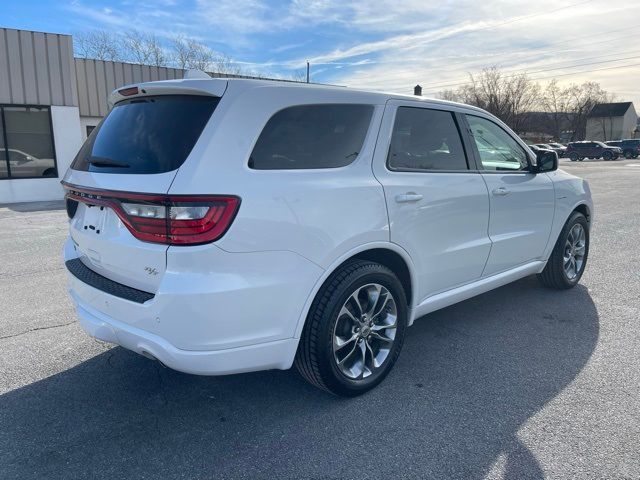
x: 509, y: 36
x: 392, y: 45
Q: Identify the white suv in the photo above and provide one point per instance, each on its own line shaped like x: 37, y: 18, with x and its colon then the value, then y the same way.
x: 225, y: 226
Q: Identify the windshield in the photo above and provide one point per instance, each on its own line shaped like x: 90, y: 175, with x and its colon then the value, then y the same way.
x: 146, y: 135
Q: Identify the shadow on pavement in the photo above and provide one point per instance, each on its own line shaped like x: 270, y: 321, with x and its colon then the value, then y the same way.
x: 468, y: 378
x: 26, y: 207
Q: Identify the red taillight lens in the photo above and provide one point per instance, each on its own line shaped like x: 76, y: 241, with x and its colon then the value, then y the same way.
x: 167, y: 219
x: 200, y: 220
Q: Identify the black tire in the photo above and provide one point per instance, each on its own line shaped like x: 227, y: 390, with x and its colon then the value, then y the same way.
x: 573, y: 157
x: 628, y: 154
x: 315, y: 356
x: 554, y: 275
x: 607, y: 156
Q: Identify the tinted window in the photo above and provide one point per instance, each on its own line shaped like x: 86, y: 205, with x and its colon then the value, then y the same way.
x: 146, y: 135
x: 425, y: 139
x: 498, y: 150
x: 312, y: 136
x: 29, y: 147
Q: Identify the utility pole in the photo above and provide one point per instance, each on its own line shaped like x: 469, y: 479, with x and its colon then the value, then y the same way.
x: 307, y: 71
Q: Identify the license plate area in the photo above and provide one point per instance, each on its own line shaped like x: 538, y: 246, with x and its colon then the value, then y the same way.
x: 93, y: 219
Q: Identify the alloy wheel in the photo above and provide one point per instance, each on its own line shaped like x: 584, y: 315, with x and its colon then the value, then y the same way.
x: 574, y: 251
x: 365, y: 331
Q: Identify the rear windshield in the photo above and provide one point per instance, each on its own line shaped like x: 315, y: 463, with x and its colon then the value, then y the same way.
x: 146, y: 135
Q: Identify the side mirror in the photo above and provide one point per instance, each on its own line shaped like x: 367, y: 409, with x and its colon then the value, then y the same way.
x: 547, y: 161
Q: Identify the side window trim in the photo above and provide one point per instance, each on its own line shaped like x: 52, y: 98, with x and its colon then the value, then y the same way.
x: 473, y: 159
x: 465, y: 147
x: 476, y: 152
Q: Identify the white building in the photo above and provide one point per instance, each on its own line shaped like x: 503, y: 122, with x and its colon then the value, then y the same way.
x: 49, y: 102
x: 612, y: 121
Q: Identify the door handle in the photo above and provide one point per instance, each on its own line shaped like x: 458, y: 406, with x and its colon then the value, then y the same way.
x: 501, y: 191
x: 408, y: 197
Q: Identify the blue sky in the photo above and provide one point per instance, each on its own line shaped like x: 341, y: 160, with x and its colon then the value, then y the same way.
x: 384, y: 44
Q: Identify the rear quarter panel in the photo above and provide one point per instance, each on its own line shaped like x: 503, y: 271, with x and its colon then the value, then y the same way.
x: 318, y: 214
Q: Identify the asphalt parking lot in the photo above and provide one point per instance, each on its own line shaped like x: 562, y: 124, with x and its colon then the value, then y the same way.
x: 521, y: 382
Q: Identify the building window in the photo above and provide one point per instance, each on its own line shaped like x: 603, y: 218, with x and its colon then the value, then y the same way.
x: 26, y: 143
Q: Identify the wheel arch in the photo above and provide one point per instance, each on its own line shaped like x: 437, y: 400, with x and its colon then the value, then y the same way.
x: 584, y: 209
x: 388, y: 254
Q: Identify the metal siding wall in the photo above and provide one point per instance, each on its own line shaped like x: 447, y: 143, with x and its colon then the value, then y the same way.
x: 119, y: 69
x: 102, y: 88
x: 92, y: 86
x: 65, y: 47
x: 27, y: 57
x: 55, y: 79
x: 15, y: 67
x: 42, y: 72
x: 110, y: 78
x: 96, y: 79
x: 81, y: 79
x: 36, y: 68
x: 5, y: 85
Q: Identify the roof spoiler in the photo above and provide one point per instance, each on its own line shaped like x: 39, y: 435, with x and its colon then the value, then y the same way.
x: 187, y: 86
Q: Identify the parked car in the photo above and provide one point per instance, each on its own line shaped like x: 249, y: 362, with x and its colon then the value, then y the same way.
x: 557, y: 147
x: 578, y: 151
x: 25, y: 165
x: 229, y: 225
x: 630, y: 148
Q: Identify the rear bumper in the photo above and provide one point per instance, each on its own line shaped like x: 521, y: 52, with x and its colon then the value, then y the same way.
x: 214, y: 312
x: 270, y: 355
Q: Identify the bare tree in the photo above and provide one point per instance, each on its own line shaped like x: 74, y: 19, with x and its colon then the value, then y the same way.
x: 223, y: 63
x: 508, y: 97
x: 98, y: 44
x: 512, y: 97
x: 191, y: 54
x: 147, y: 49
x: 451, y: 95
x: 581, y: 100
x: 555, y: 100
x: 144, y: 49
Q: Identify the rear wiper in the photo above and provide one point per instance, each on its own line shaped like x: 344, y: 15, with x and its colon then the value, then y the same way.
x: 105, y: 162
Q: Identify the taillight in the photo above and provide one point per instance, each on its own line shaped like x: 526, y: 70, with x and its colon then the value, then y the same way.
x: 126, y: 92
x: 167, y: 219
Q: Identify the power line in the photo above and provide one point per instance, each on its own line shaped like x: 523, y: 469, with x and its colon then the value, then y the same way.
x: 532, y: 59
x: 589, y: 71
x: 578, y: 73
x: 518, y: 72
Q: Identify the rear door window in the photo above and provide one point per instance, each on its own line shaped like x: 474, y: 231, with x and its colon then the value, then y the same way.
x: 312, y: 136
x: 146, y: 135
x: 424, y: 140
